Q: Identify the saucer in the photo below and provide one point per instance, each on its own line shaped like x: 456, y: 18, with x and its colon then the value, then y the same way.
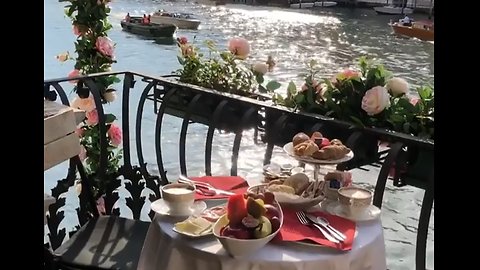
x: 159, y: 206
x: 370, y: 213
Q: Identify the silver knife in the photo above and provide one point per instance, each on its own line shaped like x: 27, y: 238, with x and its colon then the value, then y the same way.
x: 334, y: 233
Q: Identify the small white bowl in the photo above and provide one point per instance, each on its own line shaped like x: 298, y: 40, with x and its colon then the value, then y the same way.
x: 242, y: 247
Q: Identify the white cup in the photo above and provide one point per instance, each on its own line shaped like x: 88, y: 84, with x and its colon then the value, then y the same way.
x: 354, y: 200
x: 179, y: 198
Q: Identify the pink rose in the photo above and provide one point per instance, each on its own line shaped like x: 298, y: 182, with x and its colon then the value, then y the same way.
x: 80, y: 132
x: 92, y: 117
x: 72, y: 74
x: 187, y: 50
x: 83, y: 153
x: 105, y: 46
x: 85, y: 104
x: 375, y: 100
x: 414, y: 101
x: 182, y: 40
x: 349, y: 73
x: 239, y: 47
x: 101, y: 206
x: 115, y: 134
x: 76, y: 30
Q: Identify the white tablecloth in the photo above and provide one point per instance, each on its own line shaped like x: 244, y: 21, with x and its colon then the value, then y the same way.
x: 166, y: 250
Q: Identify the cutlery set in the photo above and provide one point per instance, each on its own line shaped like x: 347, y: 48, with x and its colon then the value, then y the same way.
x: 322, y: 224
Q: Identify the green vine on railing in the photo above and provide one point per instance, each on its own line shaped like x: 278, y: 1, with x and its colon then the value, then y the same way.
x: 95, y: 53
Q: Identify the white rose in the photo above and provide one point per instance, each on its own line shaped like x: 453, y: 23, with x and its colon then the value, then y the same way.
x: 397, y: 86
x: 261, y: 68
x: 63, y: 57
x: 110, y: 96
x: 375, y: 100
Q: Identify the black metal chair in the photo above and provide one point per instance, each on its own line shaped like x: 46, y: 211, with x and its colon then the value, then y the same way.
x: 104, y: 242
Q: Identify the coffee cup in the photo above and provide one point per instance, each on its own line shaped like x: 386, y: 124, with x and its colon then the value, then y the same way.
x: 179, y: 198
x: 354, y: 200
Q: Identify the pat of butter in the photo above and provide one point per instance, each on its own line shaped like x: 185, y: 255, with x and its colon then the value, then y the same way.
x: 194, y: 226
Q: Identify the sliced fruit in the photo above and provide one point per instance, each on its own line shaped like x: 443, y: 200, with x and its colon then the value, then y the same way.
x: 236, y: 209
x: 255, y: 208
x: 264, y: 229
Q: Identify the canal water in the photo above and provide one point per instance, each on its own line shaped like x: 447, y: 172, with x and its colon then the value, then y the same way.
x: 333, y: 37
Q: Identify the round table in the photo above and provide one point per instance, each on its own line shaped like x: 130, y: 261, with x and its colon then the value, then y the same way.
x: 165, y: 249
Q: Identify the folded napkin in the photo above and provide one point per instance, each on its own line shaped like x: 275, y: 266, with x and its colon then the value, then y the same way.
x: 292, y: 230
x: 235, y: 184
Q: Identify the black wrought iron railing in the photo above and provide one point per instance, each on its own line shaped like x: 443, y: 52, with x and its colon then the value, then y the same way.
x: 273, y: 125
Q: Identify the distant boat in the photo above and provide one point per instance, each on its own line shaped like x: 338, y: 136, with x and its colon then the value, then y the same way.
x: 181, y: 20
x: 325, y: 4
x: 302, y: 5
x: 392, y: 10
x: 423, y: 30
x: 149, y: 30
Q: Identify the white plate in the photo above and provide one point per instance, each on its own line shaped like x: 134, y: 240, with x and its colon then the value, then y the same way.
x: 371, y: 213
x: 288, y: 148
x: 160, y: 207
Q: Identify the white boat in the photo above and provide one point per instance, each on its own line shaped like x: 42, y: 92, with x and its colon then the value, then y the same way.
x: 392, y: 10
x: 325, y: 4
x: 302, y: 5
x: 181, y: 20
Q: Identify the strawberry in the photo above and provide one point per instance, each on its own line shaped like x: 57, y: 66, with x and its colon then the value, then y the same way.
x: 236, y: 209
x: 325, y: 142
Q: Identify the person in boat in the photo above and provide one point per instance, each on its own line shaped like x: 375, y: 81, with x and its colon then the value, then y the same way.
x: 270, y: 63
x: 145, y: 19
x: 406, y: 21
x: 149, y: 18
x: 127, y: 17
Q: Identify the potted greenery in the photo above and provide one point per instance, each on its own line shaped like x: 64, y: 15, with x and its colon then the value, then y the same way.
x: 224, y: 73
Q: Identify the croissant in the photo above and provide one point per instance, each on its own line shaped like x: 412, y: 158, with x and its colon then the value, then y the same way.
x: 306, y: 148
x: 331, y: 152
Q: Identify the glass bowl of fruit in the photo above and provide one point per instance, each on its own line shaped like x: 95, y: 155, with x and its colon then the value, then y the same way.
x: 251, y: 221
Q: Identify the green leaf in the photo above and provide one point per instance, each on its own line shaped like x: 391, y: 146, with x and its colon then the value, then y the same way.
x: 273, y: 85
x: 357, y: 121
x: 299, y: 99
x: 292, y: 88
x: 425, y: 92
x: 180, y: 59
x: 109, y: 118
x: 259, y: 78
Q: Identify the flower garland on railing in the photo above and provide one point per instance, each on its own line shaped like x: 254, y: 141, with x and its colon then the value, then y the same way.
x: 225, y: 71
x: 369, y: 97
x: 95, y: 53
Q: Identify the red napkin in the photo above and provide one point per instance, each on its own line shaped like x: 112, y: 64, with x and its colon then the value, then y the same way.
x: 292, y: 230
x: 234, y: 184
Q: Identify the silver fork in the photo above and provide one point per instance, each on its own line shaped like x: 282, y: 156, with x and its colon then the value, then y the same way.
x: 303, y: 219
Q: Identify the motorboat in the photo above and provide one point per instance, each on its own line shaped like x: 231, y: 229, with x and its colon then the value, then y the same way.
x: 181, y: 20
x: 423, y: 30
x: 324, y: 4
x: 135, y: 26
x: 393, y: 10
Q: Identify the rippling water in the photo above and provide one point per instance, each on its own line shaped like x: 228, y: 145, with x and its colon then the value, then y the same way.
x: 333, y: 37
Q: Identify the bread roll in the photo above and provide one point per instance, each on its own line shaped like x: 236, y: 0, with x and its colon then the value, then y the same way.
x: 298, y: 181
x: 300, y: 138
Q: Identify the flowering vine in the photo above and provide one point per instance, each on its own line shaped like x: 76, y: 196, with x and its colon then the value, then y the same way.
x: 95, y: 52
